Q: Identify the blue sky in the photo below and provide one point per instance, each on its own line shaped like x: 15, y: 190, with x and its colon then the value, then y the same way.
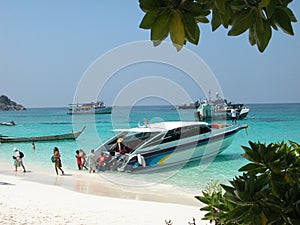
x: 46, y: 46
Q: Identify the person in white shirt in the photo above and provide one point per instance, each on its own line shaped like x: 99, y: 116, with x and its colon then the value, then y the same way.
x: 92, y: 161
x: 18, y: 160
x: 233, y: 116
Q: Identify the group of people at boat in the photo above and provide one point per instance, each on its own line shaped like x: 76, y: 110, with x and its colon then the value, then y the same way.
x: 56, y: 160
x: 108, y: 160
x: 91, y: 162
x: 104, y: 161
x: 81, y: 159
x: 83, y: 162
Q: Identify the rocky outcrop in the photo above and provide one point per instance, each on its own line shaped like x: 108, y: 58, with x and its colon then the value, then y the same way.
x: 7, y: 104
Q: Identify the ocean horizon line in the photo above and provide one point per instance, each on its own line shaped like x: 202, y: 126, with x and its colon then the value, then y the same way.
x: 164, y: 105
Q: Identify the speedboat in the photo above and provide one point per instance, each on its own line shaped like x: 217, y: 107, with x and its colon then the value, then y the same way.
x: 11, y: 123
x: 166, y: 144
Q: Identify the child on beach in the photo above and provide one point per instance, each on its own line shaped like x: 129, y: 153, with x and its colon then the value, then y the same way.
x: 18, y: 159
x: 57, y: 161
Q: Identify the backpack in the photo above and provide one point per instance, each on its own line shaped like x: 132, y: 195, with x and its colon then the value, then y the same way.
x: 53, y: 159
x: 21, y: 154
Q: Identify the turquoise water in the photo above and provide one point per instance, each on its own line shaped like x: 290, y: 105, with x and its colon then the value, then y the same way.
x: 267, y: 123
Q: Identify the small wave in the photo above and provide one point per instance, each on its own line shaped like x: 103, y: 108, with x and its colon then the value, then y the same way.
x: 267, y: 119
x: 57, y: 123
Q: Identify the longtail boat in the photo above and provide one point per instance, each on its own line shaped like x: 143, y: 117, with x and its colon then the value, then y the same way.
x: 56, y: 137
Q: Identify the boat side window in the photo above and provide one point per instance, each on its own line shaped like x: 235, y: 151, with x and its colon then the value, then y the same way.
x: 204, y: 130
x: 155, y: 141
x: 191, y: 131
x: 135, y: 140
x: 172, y: 135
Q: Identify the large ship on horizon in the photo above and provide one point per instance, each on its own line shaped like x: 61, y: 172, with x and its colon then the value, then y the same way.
x: 98, y: 107
x: 220, y: 109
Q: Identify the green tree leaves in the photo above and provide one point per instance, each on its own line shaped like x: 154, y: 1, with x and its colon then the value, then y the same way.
x: 259, y: 17
x: 268, y: 192
x: 160, y: 27
x: 192, y: 31
x: 150, y: 18
x: 242, y: 22
x: 177, y: 30
x: 262, y: 33
x: 180, y: 19
x: 175, y: 17
x: 283, y: 18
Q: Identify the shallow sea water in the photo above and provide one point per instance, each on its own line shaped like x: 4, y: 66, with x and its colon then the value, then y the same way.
x: 267, y: 123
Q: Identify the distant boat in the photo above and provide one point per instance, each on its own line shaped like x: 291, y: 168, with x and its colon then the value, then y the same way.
x: 194, y: 105
x: 56, y: 137
x: 11, y: 123
x: 89, y: 108
x: 219, y: 109
x: 211, y: 111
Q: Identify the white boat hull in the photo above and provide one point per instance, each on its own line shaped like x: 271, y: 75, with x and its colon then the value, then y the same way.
x: 179, y: 152
x: 106, y: 110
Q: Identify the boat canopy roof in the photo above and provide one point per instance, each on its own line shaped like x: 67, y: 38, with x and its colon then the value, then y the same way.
x: 162, y: 126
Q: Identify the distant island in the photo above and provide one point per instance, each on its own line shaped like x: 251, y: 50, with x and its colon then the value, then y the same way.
x: 6, y: 104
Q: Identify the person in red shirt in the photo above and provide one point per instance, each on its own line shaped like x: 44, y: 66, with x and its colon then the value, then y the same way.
x: 78, y: 160
x: 101, y: 161
x: 83, y: 159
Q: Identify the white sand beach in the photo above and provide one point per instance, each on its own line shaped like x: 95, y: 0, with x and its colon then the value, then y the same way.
x: 44, y: 198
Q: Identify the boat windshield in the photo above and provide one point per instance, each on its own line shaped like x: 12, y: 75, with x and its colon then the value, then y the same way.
x: 134, y: 139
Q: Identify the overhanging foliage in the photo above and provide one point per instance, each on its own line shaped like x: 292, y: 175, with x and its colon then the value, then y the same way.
x: 180, y: 19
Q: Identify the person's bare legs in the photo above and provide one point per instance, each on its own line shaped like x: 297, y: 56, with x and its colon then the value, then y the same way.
x: 62, y: 172
x: 24, y: 170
